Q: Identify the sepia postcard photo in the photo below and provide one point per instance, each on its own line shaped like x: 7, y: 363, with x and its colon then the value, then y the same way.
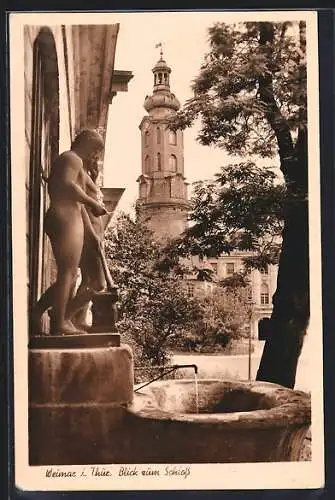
x: 167, y: 312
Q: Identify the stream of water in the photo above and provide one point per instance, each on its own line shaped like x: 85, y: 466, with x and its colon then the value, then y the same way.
x: 196, y: 392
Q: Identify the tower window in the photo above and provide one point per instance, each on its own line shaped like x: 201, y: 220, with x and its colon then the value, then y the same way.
x: 160, y: 76
x: 147, y: 164
x: 172, y: 138
x: 159, y: 162
x: 158, y: 135
x: 146, y: 138
x: 264, y: 270
x: 173, y: 163
x: 166, y: 79
x: 265, y: 295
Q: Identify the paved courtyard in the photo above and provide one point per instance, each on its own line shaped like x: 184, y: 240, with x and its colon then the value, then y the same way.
x: 236, y: 366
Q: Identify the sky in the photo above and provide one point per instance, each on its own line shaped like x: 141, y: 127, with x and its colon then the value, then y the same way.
x: 185, y: 41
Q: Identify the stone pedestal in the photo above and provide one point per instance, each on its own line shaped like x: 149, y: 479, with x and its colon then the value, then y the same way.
x: 77, y: 399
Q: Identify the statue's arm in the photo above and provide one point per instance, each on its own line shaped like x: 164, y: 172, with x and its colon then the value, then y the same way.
x: 69, y: 176
x: 89, y: 229
x: 90, y: 186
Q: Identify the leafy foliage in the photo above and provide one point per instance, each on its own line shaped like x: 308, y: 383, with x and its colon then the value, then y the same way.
x: 154, y: 306
x: 226, y: 317
x: 156, y: 312
x: 241, y: 209
x: 227, y: 95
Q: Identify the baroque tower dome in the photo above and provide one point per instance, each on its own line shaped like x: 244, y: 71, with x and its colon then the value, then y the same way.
x: 162, y: 200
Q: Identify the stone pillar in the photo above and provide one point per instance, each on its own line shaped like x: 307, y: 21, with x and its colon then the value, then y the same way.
x: 77, y: 401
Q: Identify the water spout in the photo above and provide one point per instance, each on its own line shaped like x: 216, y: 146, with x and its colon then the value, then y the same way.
x: 170, y: 370
x: 195, y: 368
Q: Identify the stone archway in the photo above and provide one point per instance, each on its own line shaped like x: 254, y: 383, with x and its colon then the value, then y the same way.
x: 44, y: 148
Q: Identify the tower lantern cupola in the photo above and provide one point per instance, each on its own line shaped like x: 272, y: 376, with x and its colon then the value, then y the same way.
x: 161, y: 73
x: 162, y: 95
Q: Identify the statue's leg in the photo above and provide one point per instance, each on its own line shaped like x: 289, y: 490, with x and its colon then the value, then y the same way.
x: 93, y: 281
x: 67, y: 244
x: 78, y: 305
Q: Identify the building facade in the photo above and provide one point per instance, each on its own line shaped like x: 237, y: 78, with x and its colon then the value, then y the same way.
x: 69, y: 84
x: 262, y: 283
x: 162, y: 200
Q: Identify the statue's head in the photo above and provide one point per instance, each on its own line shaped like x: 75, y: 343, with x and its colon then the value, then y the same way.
x: 89, y: 145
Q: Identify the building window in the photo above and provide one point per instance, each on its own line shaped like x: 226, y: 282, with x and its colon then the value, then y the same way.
x: 158, y: 135
x: 159, y: 163
x: 173, y: 163
x: 264, y: 270
x: 172, y: 138
x: 230, y: 269
x: 265, y: 299
x: 250, y: 294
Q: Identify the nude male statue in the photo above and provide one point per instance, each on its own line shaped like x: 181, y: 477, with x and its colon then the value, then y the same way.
x: 66, y: 222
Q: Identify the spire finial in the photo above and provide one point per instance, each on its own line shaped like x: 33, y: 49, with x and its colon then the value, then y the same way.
x: 161, y: 51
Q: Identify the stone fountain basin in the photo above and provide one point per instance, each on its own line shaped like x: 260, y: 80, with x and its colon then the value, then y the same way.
x: 237, y: 422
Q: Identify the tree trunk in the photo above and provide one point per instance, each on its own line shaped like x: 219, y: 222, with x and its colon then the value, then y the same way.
x: 288, y: 323
x: 290, y: 314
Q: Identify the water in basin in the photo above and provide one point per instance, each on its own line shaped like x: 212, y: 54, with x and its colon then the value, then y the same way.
x: 188, y: 396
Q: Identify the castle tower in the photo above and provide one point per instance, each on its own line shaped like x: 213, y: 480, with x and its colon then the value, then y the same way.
x: 162, y: 201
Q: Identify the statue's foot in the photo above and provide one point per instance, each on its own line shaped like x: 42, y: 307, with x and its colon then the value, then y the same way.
x: 68, y: 331
x: 67, y: 328
x: 72, y: 332
x: 80, y: 324
x: 80, y: 331
x: 70, y: 324
x: 82, y: 327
